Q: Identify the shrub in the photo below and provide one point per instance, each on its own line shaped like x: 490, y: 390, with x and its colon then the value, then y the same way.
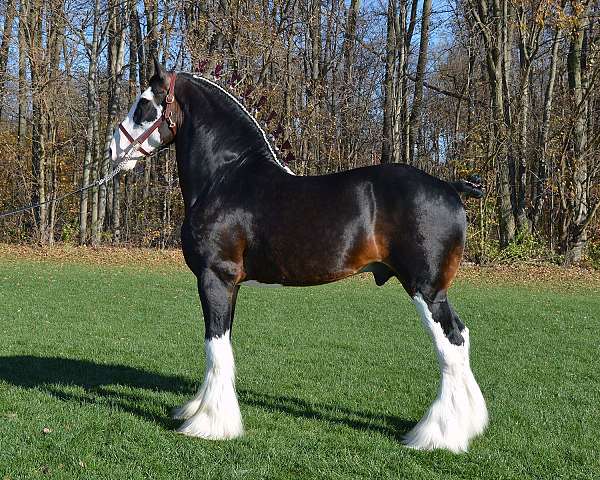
x: 525, y: 247
x: 593, y: 254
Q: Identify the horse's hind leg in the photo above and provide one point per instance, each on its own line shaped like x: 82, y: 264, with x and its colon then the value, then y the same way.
x: 214, y: 412
x: 459, y: 412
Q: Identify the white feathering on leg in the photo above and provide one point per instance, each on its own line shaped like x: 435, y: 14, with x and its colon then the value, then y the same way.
x: 459, y: 412
x: 479, y: 414
x: 214, y: 412
x: 189, y: 408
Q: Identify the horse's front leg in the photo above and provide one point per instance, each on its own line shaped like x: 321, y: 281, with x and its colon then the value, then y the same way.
x: 214, y: 412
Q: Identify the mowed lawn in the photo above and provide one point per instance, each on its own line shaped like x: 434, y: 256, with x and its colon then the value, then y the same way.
x: 92, y: 359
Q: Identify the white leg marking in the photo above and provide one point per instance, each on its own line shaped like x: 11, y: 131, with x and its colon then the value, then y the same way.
x: 214, y: 412
x: 459, y: 412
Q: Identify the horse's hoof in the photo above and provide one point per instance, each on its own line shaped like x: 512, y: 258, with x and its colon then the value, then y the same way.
x: 202, y: 425
x: 421, y: 439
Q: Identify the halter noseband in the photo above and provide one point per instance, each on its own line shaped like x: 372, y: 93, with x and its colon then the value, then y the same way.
x: 167, y: 115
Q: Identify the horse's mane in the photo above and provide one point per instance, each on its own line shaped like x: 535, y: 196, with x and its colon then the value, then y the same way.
x: 195, y: 77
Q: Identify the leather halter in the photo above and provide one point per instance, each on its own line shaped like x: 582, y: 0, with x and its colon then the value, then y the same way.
x: 167, y: 116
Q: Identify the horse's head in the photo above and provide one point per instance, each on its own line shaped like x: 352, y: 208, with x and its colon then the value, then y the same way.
x: 150, y: 123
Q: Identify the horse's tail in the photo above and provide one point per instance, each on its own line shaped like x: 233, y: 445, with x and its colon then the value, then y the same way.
x: 471, y: 187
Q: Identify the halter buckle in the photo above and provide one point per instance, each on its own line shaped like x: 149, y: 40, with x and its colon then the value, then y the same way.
x: 169, y: 119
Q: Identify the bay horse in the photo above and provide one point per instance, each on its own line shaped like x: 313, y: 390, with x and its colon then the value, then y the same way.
x: 249, y: 220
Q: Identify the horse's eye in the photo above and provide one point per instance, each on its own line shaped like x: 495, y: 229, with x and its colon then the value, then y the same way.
x: 144, y: 112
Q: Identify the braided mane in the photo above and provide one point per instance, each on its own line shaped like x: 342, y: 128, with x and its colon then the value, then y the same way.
x: 195, y: 76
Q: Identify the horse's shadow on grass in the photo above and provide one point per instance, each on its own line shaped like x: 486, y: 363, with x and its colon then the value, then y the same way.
x: 334, y: 414
x: 58, y: 376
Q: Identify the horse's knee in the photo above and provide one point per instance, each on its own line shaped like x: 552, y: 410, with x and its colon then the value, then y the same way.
x: 459, y: 323
x: 451, y: 325
x: 454, y: 336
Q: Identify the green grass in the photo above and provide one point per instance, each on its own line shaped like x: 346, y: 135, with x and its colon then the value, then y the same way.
x: 329, y: 379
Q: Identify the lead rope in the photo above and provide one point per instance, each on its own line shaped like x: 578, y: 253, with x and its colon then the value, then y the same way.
x: 108, y: 177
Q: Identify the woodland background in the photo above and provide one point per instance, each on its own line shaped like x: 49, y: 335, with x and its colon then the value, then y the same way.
x: 508, y: 89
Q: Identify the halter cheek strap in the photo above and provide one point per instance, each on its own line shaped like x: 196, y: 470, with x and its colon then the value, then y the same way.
x: 167, y: 115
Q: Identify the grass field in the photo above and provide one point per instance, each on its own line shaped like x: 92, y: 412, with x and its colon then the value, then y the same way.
x: 329, y: 378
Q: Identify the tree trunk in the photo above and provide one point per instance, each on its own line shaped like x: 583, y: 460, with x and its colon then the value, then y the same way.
x: 23, y: 87
x: 37, y: 68
x: 9, y: 18
x: 55, y: 36
x: 350, y: 40
x: 415, y: 114
x: 315, y: 80
x: 116, y: 48
x: 347, y: 105
x: 577, y: 234
x: 542, y: 170
x: 92, y: 111
x: 95, y: 172
x: 492, y: 25
x: 387, y: 141
x: 405, y: 27
x: 527, y: 47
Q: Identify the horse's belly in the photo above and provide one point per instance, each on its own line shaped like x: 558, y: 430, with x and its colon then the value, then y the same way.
x: 311, y: 246
x: 299, y: 267
x: 254, y: 283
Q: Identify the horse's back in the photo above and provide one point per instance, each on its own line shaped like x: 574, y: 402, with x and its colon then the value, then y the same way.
x: 390, y: 196
x: 396, y: 182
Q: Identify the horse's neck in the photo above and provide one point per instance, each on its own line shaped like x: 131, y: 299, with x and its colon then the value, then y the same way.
x: 200, y: 164
x: 198, y: 171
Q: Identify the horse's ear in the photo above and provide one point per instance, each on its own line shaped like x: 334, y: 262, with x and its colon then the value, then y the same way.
x: 159, y: 70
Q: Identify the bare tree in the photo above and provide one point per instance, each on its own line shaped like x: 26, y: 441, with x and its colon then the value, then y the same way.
x: 116, y: 50
x: 9, y: 18
x: 580, y: 210
x: 92, y: 48
x: 415, y: 114
x: 387, y: 143
x: 491, y: 17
